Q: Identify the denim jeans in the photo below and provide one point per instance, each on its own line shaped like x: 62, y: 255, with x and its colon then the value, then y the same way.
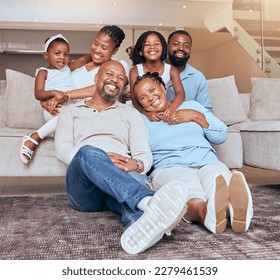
x: 94, y: 184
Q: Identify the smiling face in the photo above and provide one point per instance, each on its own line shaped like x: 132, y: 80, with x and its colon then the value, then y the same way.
x: 57, y: 55
x: 152, y: 48
x: 179, y: 49
x: 151, y: 95
x: 102, y: 48
x: 110, y: 80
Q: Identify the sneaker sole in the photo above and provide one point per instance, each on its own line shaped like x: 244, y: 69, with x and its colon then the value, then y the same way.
x: 239, y: 200
x: 221, y: 202
x: 164, y: 211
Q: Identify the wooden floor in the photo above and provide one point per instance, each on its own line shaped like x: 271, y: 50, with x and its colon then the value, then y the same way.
x: 18, y: 186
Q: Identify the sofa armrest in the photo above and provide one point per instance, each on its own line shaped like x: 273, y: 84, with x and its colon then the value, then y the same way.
x: 231, y: 151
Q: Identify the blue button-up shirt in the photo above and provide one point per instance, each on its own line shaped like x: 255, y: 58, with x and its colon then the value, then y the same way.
x: 195, y: 85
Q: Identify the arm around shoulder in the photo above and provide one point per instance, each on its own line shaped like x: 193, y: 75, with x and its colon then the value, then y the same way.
x: 133, y: 74
x: 180, y: 94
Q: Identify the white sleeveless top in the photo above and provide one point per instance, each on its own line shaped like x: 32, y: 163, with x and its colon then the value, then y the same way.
x: 165, y: 76
x: 57, y: 79
x: 81, y: 77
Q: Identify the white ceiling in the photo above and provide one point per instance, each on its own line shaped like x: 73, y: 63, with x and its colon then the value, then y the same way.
x: 86, y: 14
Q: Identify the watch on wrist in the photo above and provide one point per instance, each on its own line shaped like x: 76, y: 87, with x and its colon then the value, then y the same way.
x: 139, y: 164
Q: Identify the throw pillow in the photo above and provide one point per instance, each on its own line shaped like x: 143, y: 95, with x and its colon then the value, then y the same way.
x: 226, y: 102
x: 22, y: 110
x: 265, y: 99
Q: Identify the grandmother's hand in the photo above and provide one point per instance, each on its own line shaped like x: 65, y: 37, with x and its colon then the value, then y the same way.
x: 188, y: 115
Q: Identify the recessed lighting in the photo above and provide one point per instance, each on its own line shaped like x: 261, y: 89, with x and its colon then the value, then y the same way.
x: 185, y: 6
x: 115, y: 3
x: 160, y: 24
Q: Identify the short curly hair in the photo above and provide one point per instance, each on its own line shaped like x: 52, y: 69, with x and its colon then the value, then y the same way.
x: 137, y: 58
x: 181, y: 32
x: 114, y: 32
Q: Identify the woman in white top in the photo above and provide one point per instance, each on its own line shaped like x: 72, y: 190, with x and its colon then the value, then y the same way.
x: 55, y: 86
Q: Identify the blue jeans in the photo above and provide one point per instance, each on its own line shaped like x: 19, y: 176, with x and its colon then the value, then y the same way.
x: 94, y: 184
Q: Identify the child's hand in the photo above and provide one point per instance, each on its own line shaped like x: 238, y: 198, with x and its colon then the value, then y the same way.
x: 56, y: 110
x: 154, y: 117
x: 60, y: 96
x: 49, y: 104
x: 166, y: 114
x: 52, y: 106
x: 126, y: 97
x: 52, y: 103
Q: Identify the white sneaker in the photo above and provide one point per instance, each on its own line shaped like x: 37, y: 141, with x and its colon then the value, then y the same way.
x: 240, y: 203
x: 163, y: 212
x: 215, y: 219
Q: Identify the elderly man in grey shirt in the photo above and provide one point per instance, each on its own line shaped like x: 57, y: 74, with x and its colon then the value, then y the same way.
x: 105, y: 144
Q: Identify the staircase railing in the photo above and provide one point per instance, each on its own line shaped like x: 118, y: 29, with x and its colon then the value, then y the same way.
x: 224, y: 20
x: 265, y: 61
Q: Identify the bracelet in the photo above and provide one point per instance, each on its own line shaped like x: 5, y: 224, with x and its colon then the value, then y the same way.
x: 68, y: 93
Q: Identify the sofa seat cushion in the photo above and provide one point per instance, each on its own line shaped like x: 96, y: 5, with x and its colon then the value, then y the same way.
x: 261, y: 126
x: 44, y: 162
x: 12, y: 132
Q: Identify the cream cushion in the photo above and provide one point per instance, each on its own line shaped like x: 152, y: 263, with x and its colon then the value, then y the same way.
x: 265, y: 99
x: 22, y: 110
x: 226, y: 102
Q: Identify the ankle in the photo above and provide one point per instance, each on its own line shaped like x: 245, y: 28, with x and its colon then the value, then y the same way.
x: 36, y: 137
x: 197, y: 210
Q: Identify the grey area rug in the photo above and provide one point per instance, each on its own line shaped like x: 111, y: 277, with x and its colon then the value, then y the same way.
x: 46, y: 227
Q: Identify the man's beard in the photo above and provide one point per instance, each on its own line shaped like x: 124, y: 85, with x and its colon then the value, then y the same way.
x: 178, y: 61
x: 109, y: 97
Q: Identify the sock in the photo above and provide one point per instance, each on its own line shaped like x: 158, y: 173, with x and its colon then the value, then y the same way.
x: 143, y: 203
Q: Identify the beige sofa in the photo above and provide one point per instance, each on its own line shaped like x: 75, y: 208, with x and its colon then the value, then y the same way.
x: 20, y: 114
x: 255, y: 115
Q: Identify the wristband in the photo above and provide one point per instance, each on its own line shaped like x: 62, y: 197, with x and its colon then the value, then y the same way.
x: 139, y: 165
x: 68, y: 93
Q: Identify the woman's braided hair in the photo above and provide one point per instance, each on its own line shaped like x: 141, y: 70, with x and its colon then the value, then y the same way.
x: 115, y: 33
x: 152, y: 75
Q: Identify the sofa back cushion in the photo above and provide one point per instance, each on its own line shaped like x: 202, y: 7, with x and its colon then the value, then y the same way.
x: 22, y: 110
x: 2, y: 92
x: 265, y: 99
x: 226, y: 102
